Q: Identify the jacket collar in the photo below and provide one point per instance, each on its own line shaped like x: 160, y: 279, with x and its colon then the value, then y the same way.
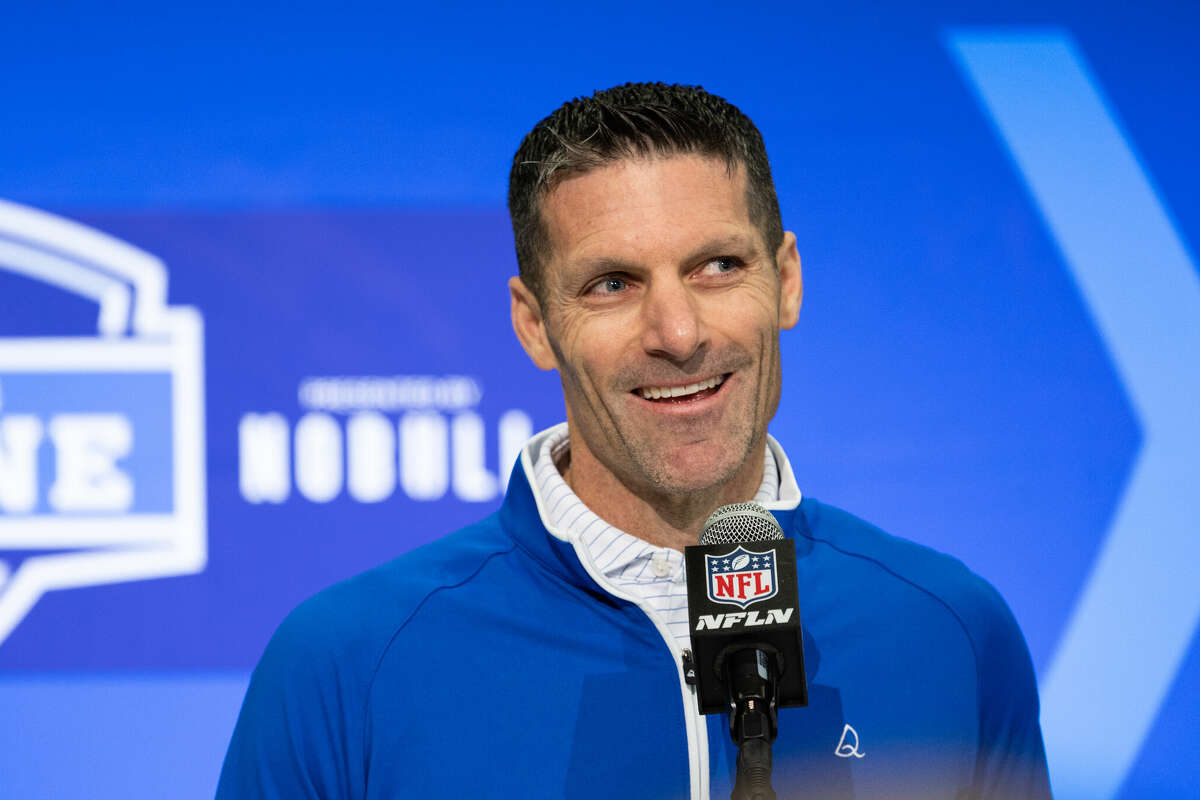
x: 521, y: 517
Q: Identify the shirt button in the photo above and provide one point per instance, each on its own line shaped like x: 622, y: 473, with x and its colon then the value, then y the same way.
x: 660, y: 565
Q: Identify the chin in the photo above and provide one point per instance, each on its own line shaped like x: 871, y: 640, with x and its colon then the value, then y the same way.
x: 694, y: 472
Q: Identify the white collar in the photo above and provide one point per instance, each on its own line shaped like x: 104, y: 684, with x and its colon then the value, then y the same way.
x: 788, y: 496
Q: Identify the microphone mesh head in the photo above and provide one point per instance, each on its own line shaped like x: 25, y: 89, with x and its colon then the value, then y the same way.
x: 740, y: 522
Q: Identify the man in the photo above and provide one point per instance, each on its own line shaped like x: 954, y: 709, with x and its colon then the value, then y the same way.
x: 538, y: 652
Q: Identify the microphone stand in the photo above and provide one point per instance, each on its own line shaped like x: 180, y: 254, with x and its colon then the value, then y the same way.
x: 751, y: 673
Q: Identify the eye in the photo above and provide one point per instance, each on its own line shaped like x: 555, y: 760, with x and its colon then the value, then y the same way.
x: 609, y: 284
x: 722, y: 265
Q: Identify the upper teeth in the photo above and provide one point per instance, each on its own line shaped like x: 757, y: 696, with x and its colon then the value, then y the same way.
x: 654, y: 392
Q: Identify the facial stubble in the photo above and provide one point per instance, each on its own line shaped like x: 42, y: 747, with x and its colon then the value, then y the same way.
x: 645, y: 469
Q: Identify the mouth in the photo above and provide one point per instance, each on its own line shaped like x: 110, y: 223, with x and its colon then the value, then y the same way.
x: 687, y: 393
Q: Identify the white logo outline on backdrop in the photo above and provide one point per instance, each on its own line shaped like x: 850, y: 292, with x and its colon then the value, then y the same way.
x: 138, y: 333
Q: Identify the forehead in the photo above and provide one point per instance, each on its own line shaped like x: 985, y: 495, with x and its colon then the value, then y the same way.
x: 645, y: 208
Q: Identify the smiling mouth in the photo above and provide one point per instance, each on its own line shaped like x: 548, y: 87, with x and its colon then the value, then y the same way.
x: 682, y: 394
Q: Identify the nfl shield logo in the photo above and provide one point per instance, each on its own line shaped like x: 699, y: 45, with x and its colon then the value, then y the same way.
x: 741, y: 577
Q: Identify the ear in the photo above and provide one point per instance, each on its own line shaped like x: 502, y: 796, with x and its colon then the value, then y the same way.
x: 791, y: 284
x: 529, y: 324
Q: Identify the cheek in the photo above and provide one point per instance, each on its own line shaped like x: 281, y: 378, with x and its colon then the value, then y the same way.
x: 585, y: 353
x: 749, y: 327
x: 751, y: 307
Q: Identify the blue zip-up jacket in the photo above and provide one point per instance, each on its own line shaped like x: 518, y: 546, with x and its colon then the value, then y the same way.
x: 498, y: 663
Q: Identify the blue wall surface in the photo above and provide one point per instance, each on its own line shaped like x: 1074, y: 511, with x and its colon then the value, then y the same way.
x: 288, y: 359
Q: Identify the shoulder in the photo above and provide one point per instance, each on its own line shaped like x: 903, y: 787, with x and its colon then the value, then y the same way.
x: 973, y: 602
x: 1010, y: 759
x: 355, y: 619
x: 302, y: 728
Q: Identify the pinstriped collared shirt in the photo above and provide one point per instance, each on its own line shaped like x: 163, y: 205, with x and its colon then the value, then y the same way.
x: 653, y: 574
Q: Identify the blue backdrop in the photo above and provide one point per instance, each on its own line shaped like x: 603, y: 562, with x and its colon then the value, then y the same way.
x: 287, y: 358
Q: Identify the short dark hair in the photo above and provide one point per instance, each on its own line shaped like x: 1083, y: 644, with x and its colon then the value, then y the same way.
x: 630, y: 121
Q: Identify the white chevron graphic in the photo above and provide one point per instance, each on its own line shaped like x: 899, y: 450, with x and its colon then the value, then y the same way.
x: 1137, y: 615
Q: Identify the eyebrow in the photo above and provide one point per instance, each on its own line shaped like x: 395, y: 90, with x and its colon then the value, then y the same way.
x: 725, y: 245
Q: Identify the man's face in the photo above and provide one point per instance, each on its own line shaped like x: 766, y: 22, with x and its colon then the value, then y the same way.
x: 662, y: 314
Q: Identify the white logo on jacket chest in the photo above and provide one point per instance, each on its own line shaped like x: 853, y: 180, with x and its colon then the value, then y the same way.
x: 847, y: 746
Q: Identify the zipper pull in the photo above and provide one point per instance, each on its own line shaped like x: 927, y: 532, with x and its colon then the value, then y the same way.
x: 689, y: 668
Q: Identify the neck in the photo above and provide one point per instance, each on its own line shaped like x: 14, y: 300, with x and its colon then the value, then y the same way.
x: 662, y: 517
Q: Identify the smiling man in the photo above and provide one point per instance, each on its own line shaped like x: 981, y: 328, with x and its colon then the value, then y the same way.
x: 539, y: 653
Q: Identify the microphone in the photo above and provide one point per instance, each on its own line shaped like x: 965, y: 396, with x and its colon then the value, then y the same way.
x: 747, y: 652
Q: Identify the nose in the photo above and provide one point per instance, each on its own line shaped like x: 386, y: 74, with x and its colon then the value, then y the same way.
x: 672, y: 325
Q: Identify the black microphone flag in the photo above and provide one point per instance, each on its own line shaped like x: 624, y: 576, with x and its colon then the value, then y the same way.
x: 742, y: 596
